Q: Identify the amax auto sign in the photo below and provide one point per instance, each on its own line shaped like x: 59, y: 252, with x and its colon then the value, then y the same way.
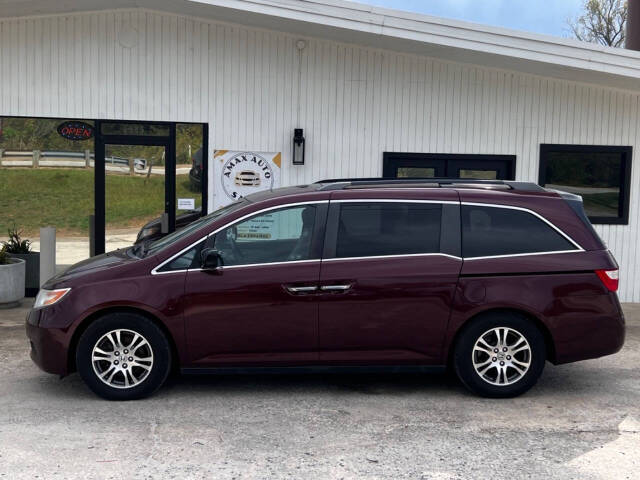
x: 243, y: 173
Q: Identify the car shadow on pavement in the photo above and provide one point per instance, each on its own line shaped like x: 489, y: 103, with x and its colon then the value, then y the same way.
x: 240, y: 384
x: 576, y: 380
x: 358, y: 383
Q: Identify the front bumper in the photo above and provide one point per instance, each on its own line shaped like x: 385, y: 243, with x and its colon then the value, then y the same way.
x: 49, y: 346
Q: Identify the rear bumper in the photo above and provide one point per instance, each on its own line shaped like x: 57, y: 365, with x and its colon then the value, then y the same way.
x: 48, y: 346
x: 591, y: 335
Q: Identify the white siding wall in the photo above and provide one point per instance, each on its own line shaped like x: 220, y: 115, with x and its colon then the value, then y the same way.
x: 354, y: 102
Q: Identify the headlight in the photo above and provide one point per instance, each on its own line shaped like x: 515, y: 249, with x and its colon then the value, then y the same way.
x: 49, y: 297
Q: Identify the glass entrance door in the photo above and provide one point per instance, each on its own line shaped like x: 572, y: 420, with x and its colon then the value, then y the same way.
x: 135, y: 181
x: 150, y: 179
x: 134, y: 192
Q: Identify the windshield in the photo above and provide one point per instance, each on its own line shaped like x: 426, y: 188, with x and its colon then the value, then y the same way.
x: 163, y: 242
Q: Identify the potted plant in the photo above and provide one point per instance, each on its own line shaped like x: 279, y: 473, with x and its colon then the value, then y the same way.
x: 17, y: 247
x: 11, y: 279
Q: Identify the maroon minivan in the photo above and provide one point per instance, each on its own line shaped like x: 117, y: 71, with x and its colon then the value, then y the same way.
x: 489, y: 278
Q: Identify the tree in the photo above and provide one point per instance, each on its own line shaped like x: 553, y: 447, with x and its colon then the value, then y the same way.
x: 602, y: 21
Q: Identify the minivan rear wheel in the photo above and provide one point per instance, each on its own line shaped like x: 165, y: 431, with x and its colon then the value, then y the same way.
x: 123, y: 356
x: 501, y: 354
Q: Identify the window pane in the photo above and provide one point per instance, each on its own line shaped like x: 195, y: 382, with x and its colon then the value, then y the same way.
x: 189, y: 171
x: 279, y: 236
x: 488, y: 231
x: 416, y: 172
x: 134, y: 191
x: 135, y: 129
x: 202, y: 223
x: 593, y: 175
x: 189, y: 259
x: 46, y: 179
x: 478, y: 174
x: 373, y: 229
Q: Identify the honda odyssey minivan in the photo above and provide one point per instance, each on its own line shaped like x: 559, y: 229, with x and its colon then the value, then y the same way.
x: 489, y: 278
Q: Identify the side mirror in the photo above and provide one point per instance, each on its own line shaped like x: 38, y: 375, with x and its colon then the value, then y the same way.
x: 210, y: 259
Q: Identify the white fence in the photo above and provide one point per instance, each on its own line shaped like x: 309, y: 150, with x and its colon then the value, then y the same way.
x: 37, y: 159
x: 57, y: 159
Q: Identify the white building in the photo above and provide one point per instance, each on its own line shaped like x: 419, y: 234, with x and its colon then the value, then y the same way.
x: 367, y: 85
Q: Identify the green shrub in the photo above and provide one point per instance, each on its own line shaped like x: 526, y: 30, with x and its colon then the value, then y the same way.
x: 4, y: 258
x: 16, y: 244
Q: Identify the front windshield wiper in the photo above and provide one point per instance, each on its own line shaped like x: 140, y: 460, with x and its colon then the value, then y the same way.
x: 144, y: 248
x: 140, y: 250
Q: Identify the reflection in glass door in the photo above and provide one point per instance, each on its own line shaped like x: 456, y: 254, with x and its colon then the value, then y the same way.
x: 134, y: 192
x: 189, y: 172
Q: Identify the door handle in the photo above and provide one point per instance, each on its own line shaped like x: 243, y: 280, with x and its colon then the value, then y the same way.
x: 335, y: 288
x: 303, y: 289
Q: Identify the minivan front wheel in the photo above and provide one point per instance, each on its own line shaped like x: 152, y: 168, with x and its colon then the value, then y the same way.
x: 500, y: 355
x: 123, y: 356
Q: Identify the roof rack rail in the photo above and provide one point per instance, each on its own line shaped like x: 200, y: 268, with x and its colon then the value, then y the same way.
x: 350, y: 183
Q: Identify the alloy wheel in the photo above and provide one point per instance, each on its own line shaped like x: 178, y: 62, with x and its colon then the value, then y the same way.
x: 122, y: 358
x: 501, y: 356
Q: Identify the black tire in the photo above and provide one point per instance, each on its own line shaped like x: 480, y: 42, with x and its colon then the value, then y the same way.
x: 151, y: 379
x: 464, y: 355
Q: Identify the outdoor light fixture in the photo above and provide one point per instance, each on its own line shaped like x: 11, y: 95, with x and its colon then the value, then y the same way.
x: 298, y: 146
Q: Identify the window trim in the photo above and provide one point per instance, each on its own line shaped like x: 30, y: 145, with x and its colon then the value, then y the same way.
x: 578, y: 248
x: 331, y: 232
x: 625, y: 175
x: 159, y: 267
x: 319, y: 222
x: 399, y: 255
x: 448, y: 238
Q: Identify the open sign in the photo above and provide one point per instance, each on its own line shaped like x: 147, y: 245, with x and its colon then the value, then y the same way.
x: 73, y: 130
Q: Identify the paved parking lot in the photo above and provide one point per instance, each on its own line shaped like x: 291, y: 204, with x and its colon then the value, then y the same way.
x: 581, y: 421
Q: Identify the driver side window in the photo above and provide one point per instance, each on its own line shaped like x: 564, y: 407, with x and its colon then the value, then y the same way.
x: 277, y: 236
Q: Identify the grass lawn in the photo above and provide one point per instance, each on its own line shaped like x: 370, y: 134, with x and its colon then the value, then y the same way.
x: 63, y: 198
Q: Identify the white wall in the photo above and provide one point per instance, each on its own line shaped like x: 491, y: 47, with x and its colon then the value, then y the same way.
x: 354, y: 103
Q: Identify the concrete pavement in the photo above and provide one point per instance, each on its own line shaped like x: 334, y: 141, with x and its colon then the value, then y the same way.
x: 70, y: 250
x: 582, y: 421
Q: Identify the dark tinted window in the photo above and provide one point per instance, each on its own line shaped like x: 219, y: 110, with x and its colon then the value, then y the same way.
x: 189, y: 259
x: 145, y: 129
x: 373, y: 229
x: 416, y: 172
x: 488, y: 231
x: 477, y: 174
x: 596, y: 173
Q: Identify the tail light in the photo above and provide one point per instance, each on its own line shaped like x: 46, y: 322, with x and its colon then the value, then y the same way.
x: 609, y: 278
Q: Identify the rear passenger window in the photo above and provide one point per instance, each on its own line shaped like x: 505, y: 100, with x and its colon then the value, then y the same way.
x: 375, y: 229
x: 489, y: 231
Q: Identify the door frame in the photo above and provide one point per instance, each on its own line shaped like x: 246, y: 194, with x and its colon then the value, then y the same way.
x: 341, y: 270
x: 391, y: 161
x: 101, y: 140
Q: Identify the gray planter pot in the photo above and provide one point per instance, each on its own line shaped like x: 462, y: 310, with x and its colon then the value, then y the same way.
x: 32, y: 279
x: 12, y: 282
